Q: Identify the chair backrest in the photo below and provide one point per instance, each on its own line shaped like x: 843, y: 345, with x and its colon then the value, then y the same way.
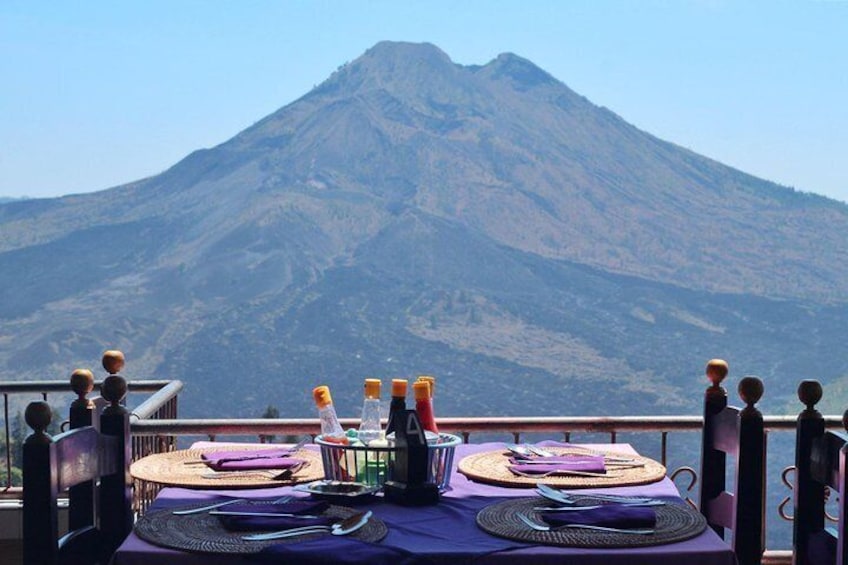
x: 820, y: 460
x: 93, y: 465
x: 740, y: 434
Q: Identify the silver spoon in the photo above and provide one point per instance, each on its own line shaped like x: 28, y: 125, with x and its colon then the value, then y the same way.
x: 341, y: 528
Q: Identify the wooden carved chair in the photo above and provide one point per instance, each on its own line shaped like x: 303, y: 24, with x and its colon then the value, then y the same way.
x: 92, y: 462
x: 740, y: 434
x: 820, y: 460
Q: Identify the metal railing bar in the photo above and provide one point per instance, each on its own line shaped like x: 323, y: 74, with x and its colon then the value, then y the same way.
x: 157, y: 400
x: 44, y: 387
x: 512, y: 425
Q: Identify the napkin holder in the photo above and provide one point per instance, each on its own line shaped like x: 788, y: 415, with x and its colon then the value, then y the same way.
x: 409, y: 485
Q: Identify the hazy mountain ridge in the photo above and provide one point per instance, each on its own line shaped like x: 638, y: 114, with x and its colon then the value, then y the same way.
x: 485, y: 224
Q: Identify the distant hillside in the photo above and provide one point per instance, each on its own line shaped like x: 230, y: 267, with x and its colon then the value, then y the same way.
x: 485, y: 224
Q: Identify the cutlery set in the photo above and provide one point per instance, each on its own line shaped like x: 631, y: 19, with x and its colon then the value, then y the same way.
x: 572, y: 502
x: 341, y: 528
x: 527, y: 450
x: 529, y: 454
x: 283, y: 475
x: 571, y: 499
x: 259, y: 455
x: 560, y: 472
x: 281, y: 500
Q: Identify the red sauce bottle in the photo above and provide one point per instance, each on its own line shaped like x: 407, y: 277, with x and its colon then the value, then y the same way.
x: 424, y: 406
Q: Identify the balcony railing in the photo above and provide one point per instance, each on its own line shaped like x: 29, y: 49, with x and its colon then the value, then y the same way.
x: 156, y: 428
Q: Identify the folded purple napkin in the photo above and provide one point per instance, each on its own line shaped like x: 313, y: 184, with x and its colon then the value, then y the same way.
x: 270, y: 523
x: 332, y: 550
x: 608, y: 515
x: 589, y: 463
x: 246, y: 460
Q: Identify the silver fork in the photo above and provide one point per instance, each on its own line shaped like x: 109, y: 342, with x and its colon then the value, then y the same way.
x: 540, y: 451
x: 565, y: 497
x: 544, y: 528
x: 205, y: 508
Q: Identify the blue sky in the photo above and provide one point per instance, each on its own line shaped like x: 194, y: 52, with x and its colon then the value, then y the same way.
x: 97, y: 94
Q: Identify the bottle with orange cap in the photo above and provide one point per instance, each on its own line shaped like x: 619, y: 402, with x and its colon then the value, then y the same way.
x: 369, y: 424
x: 424, y: 405
x: 331, y: 429
x: 432, y: 381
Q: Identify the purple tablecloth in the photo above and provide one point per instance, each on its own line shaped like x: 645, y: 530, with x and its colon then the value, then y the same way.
x: 447, y: 532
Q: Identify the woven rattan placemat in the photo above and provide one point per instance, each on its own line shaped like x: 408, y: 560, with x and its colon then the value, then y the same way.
x: 204, y: 533
x: 180, y: 469
x: 675, y: 522
x: 492, y: 467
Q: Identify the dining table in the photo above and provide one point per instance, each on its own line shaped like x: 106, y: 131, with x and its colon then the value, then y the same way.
x: 445, y: 532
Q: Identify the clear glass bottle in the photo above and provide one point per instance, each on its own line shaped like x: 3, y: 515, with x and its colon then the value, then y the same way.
x: 369, y: 424
x: 331, y: 429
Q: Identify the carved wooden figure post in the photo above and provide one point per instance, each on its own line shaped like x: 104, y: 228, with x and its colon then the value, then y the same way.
x: 750, y: 493
x: 713, y: 461
x: 82, y: 383
x: 82, y: 497
x: 740, y: 434
x: 116, y: 519
x: 808, y: 493
x: 38, y: 448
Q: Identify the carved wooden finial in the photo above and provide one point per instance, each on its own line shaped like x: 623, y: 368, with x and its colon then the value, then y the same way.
x: 809, y: 393
x: 114, y: 389
x: 113, y: 361
x: 38, y: 416
x: 750, y: 390
x: 716, y: 371
x: 82, y: 383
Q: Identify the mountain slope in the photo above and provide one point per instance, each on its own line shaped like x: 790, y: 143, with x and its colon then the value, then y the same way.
x: 484, y: 223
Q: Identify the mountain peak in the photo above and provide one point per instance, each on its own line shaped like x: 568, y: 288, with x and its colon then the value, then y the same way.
x: 406, y: 52
x: 521, y: 71
x: 394, y: 66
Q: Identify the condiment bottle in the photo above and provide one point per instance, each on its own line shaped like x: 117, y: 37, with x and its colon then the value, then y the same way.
x: 432, y: 381
x: 331, y: 429
x: 369, y: 424
x: 424, y: 406
x: 398, y: 403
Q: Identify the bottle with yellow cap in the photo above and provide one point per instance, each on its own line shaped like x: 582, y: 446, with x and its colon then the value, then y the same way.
x: 369, y: 424
x: 331, y: 429
x: 398, y: 403
x: 424, y: 406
